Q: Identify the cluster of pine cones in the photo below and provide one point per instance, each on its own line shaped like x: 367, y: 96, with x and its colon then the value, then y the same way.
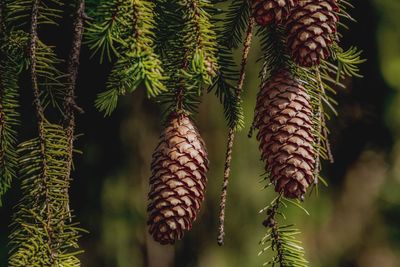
x: 310, y: 24
x: 283, y: 118
x: 283, y: 113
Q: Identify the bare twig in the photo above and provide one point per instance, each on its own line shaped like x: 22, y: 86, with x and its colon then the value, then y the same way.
x: 70, y: 105
x: 231, y: 135
x: 320, y: 117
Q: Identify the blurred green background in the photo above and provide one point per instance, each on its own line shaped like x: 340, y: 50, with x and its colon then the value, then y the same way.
x: 353, y: 222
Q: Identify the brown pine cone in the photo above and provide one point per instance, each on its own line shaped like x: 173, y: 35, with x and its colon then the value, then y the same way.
x: 268, y: 12
x: 178, y: 181
x: 283, y: 118
x: 311, y: 30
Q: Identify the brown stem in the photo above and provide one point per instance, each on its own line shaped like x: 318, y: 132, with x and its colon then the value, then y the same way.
x: 271, y: 222
x: 319, y: 118
x: 70, y: 105
x: 327, y: 143
x: 231, y: 135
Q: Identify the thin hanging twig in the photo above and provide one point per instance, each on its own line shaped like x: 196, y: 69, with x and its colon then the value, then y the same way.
x: 70, y: 105
x: 319, y: 130
x: 231, y: 136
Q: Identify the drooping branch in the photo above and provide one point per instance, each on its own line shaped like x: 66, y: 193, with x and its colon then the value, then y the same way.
x: 9, y: 120
x: 70, y: 105
x: 188, y: 49
x: 42, y: 233
x: 72, y: 72
x: 125, y: 29
x: 231, y: 135
x: 281, y: 239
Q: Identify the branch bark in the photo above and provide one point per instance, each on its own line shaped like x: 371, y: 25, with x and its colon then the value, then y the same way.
x: 231, y: 135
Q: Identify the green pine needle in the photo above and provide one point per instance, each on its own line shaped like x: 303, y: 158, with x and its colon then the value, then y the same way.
x: 42, y: 233
x: 124, y: 29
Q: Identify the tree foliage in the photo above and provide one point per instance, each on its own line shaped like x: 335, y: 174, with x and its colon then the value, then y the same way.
x: 124, y: 29
x: 42, y: 230
x: 42, y: 233
x: 174, y: 49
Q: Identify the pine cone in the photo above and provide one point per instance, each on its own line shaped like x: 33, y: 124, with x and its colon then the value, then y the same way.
x: 283, y: 118
x: 178, y: 181
x: 311, y: 30
x: 268, y: 12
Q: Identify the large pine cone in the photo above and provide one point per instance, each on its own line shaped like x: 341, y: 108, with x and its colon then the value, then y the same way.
x: 178, y: 181
x: 283, y: 118
x: 268, y: 12
x: 311, y: 30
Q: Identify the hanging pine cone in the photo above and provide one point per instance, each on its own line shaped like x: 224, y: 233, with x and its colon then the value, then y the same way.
x: 178, y: 181
x: 311, y: 30
x: 283, y: 118
x: 268, y: 12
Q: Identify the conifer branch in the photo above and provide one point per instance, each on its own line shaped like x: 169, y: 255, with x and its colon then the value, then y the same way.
x: 237, y: 16
x: 124, y: 28
x: 40, y: 143
x: 70, y: 105
x: 188, y: 47
x: 12, y: 53
x: 9, y: 120
x: 281, y: 239
x: 231, y: 136
x: 8, y: 113
x: 42, y: 235
x: 200, y: 40
x: 19, y: 12
x: 230, y: 35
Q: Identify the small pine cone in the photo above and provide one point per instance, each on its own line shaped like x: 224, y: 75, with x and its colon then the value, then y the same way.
x: 283, y: 118
x: 268, y: 12
x: 178, y: 181
x: 311, y: 30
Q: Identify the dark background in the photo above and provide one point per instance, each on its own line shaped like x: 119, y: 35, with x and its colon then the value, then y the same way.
x: 353, y: 222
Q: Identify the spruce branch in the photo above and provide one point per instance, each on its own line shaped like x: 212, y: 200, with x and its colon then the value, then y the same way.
x: 124, y: 28
x: 41, y: 236
x: 49, y: 77
x: 70, y: 105
x: 9, y: 120
x: 12, y: 62
x: 235, y: 23
x: 200, y: 40
x: 281, y: 239
x: 19, y: 12
x: 230, y: 35
x: 42, y: 233
x: 9, y: 115
x: 188, y: 47
x: 231, y: 135
x: 41, y: 147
